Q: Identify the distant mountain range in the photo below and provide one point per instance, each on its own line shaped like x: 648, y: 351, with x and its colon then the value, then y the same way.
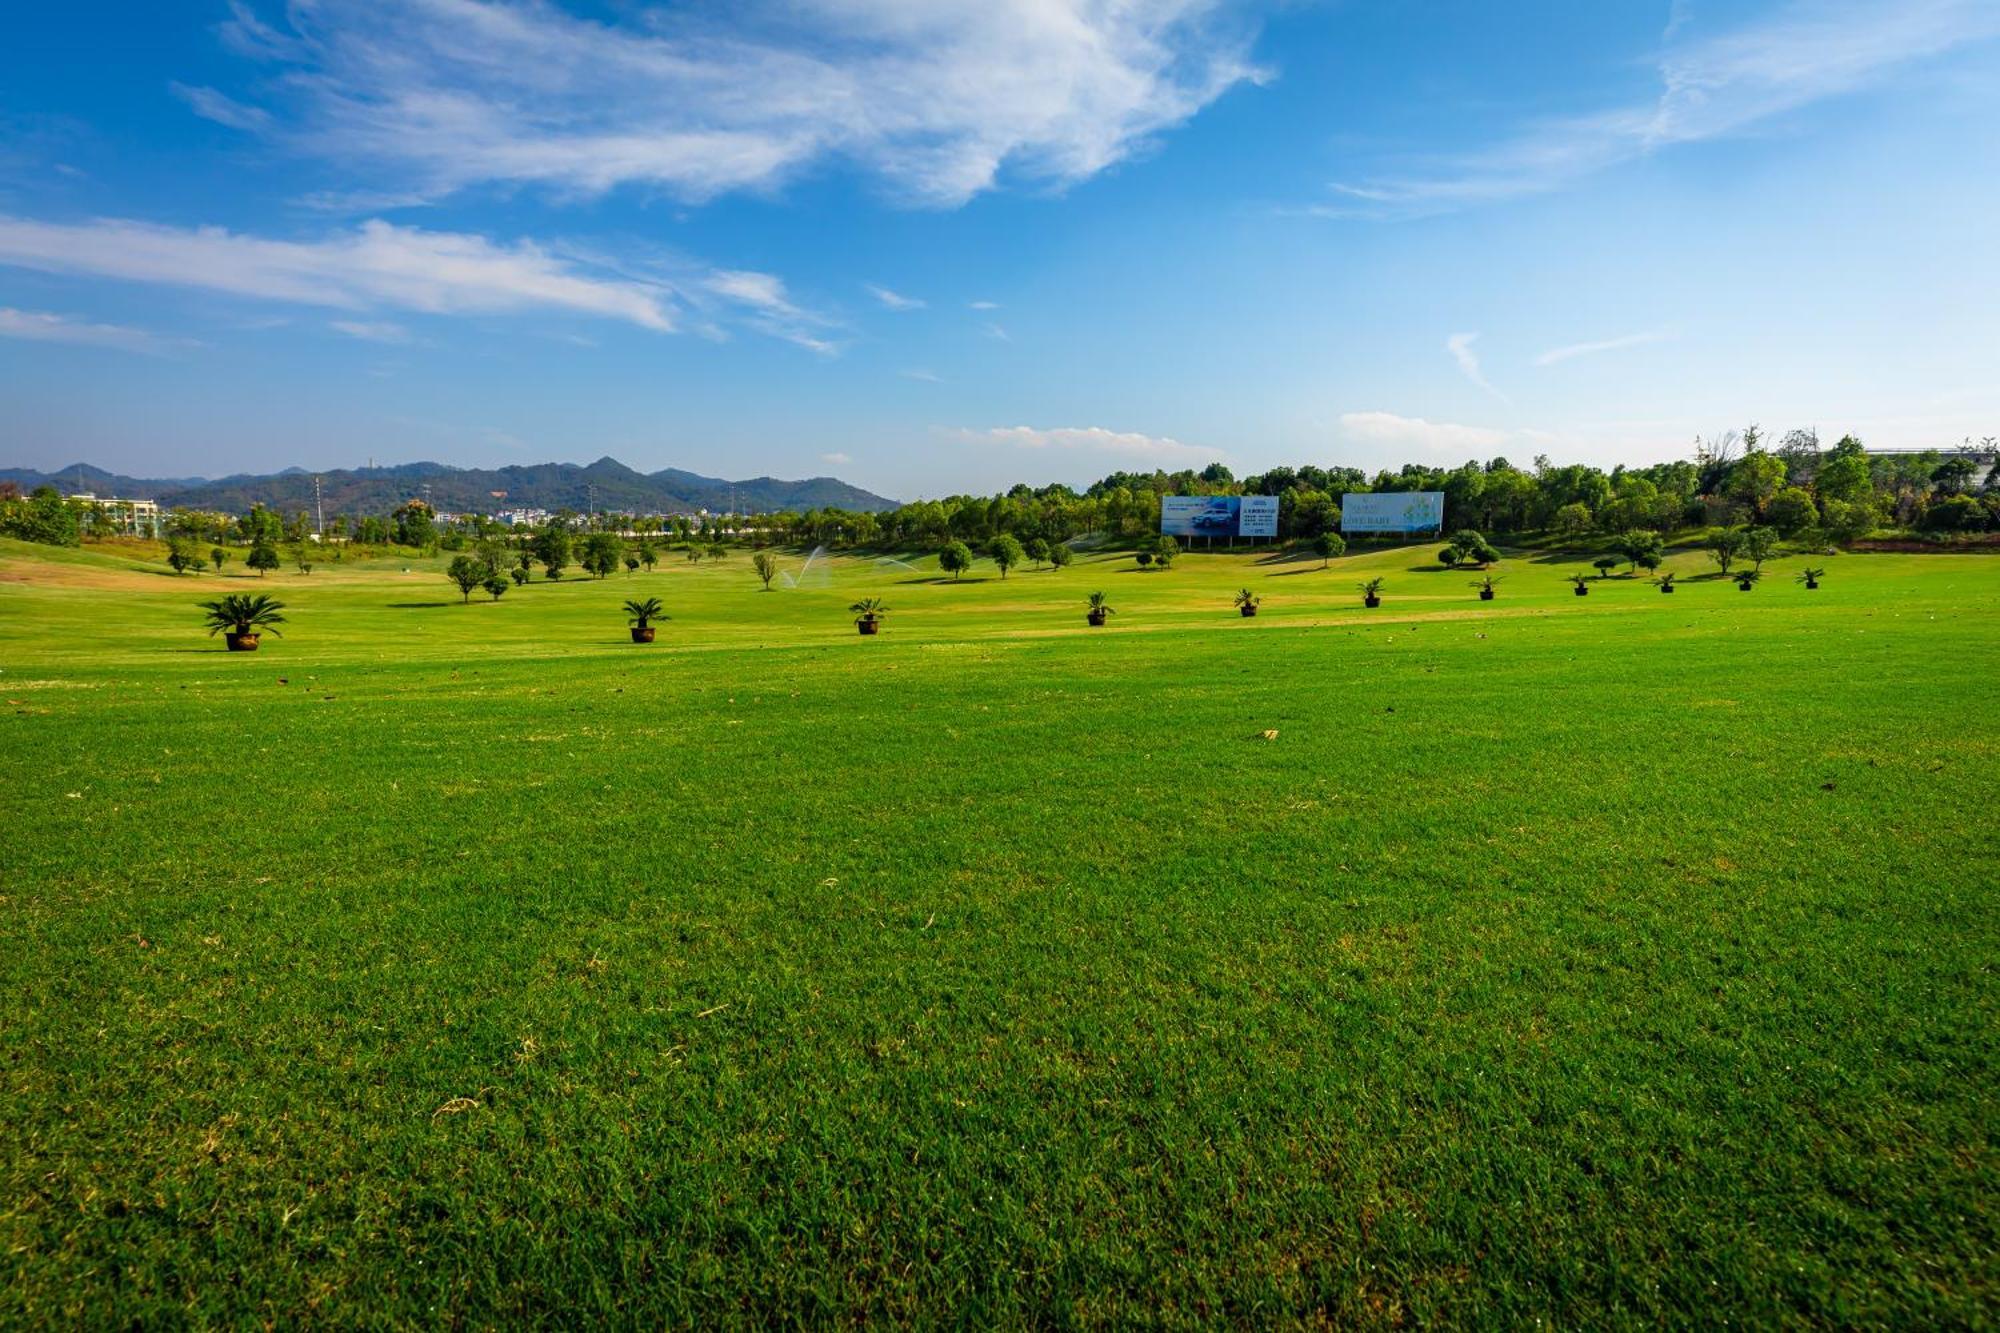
x: 608, y: 484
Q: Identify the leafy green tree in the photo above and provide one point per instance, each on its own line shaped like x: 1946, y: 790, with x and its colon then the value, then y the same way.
x: 1038, y: 551
x: 44, y: 517
x: 601, y: 554
x: 218, y: 557
x: 631, y: 564
x: 467, y: 573
x: 414, y: 526
x: 495, y: 585
x: 955, y: 558
x: 1165, y: 551
x: 1792, y: 510
x: 1604, y: 564
x: 1573, y: 519
x: 1844, y: 475
x: 1850, y: 520
x: 1754, y: 479
x: 1006, y: 552
x: 1723, y: 546
x: 552, y: 549
x: 1639, y: 545
x: 1759, y: 544
x: 1473, y: 548
x: 520, y: 575
x: 1328, y: 546
x: 766, y: 565
x: 1448, y: 557
x: 263, y: 557
x: 716, y: 550
x: 1060, y: 555
x: 649, y: 556
x: 183, y: 555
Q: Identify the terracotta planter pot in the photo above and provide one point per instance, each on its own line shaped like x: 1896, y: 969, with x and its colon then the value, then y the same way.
x: 1371, y: 601
x: 1583, y: 592
x: 868, y: 626
x: 642, y: 634
x: 1486, y: 594
x: 1248, y: 610
x: 1096, y: 618
x: 241, y: 643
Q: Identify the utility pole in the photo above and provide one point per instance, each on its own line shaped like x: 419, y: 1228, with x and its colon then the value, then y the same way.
x: 319, y: 514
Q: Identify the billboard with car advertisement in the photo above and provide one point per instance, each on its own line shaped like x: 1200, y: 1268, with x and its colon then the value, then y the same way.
x: 1393, y: 511
x: 1219, y: 515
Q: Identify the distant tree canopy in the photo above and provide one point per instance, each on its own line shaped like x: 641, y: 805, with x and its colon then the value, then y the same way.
x: 42, y: 516
x: 1801, y: 490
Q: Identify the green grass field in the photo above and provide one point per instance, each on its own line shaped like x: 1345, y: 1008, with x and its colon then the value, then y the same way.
x: 1620, y: 960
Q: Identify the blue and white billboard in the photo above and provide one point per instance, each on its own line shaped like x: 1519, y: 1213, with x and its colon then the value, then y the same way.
x: 1258, y: 517
x: 1392, y: 511
x: 1219, y: 515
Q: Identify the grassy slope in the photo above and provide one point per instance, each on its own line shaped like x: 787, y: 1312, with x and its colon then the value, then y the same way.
x: 1614, y: 959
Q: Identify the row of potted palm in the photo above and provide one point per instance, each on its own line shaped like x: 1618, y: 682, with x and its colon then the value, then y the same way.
x: 242, y: 618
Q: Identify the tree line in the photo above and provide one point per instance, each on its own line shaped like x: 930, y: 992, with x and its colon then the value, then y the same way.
x: 1798, y: 489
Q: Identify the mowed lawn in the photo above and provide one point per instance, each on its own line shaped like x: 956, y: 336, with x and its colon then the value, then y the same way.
x: 1599, y: 961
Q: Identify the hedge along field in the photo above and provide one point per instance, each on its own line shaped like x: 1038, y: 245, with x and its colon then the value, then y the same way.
x: 1611, y: 960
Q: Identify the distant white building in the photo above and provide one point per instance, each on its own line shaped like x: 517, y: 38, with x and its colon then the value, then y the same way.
x: 135, y: 518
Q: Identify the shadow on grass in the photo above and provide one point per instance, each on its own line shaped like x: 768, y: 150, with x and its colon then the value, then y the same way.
x: 1294, y: 573
x: 418, y: 606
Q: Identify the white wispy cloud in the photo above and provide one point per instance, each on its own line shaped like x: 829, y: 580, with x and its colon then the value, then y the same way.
x: 938, y: 98
x: 1557, y: 355
x: 1460, y: 347
x: 376, y: 264
x: 835, y: 458
x: 1095, y: 439
x: 1416, y: 433
x: 771, y: 309
x: 982, y: 305
x: 917, y: 373
x: 221, y: 108
x: 379, y: 331
x: 1711, y: 88
x: 42, y: 326
x: 893, y: 300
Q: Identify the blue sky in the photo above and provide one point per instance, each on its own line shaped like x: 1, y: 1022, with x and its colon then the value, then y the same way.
x: 932, y: 246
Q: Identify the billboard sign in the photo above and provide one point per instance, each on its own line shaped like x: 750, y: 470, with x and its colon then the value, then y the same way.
x: 1258, y: 516
x: 1393, y: 511
x: 1219, y: 515
x: 1198, y: 515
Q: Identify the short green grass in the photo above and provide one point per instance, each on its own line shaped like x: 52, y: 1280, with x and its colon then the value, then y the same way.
x: 1618, y: 960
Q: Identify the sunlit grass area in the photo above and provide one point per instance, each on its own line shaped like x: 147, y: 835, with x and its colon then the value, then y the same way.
x: 1622, y: 958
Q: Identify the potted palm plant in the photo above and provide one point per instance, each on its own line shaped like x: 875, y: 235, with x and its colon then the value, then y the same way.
x: 643, y: 615
x: 1582, y: 584
x: 242, y: 617
x: 1810, y: 577
x: 1486, y: 586
x: 868, y: 613
x: 1665, y: 581
x: 1371, y: 592
x: 1746, y: 579
x: 1099, y: 609
x: 1246, y: 602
